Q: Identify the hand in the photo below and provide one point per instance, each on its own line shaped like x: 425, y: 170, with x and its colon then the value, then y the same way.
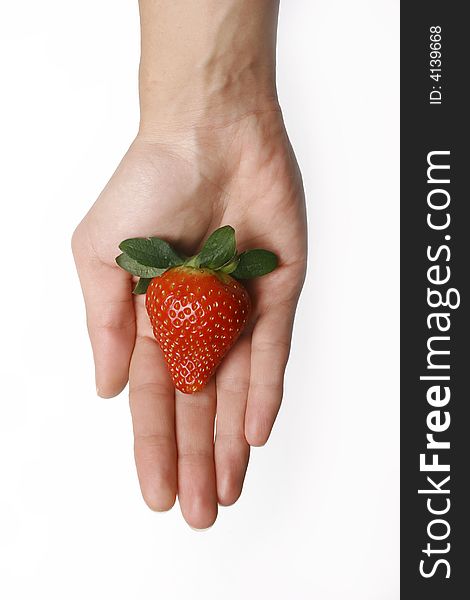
x: 182, y: 189
x: 211, y: 151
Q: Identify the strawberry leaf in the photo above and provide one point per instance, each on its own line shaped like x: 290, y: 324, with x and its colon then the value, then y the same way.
x: 141, y: 286
x: 219, y: 249
x: 135, y: 268
x: 255, y: 263
x: 151, y: 252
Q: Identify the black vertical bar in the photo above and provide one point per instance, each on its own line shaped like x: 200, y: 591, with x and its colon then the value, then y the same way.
x: 425, y: 128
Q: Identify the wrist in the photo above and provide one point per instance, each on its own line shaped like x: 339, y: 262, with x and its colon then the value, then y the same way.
x: 205, y: 64
x: 200, y: 107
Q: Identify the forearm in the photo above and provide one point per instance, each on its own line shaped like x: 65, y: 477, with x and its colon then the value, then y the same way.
x: 205, y: 61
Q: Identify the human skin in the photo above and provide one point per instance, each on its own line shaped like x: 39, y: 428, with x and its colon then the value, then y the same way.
x: 211, y: 150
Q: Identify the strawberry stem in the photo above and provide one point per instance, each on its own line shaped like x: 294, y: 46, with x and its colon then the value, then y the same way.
x: 193, y: 261
x: 230, y: 266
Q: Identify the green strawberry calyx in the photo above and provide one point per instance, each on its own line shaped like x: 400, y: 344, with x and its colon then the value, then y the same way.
x: 150, y: 257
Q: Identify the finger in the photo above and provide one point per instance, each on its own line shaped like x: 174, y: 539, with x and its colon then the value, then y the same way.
x: 110, y: 320
x: 269, y: 353
x: 151, y: 396
x: 197, y: 493
x: 231, y: 448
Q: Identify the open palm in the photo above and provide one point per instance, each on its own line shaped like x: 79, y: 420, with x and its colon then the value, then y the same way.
x: 181, y: 188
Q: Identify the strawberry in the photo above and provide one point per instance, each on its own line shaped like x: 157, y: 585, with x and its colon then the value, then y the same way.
x: 197, y: 306
x: 196, y: 315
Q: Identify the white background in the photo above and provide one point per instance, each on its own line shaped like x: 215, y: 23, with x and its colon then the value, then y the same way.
x: 319, y: 515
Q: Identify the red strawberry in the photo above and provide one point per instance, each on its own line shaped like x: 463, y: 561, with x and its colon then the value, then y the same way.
x: 196, y: 305
x: 196, y: 315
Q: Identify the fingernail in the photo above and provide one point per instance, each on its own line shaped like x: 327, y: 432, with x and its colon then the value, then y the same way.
x: 200, y: 530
